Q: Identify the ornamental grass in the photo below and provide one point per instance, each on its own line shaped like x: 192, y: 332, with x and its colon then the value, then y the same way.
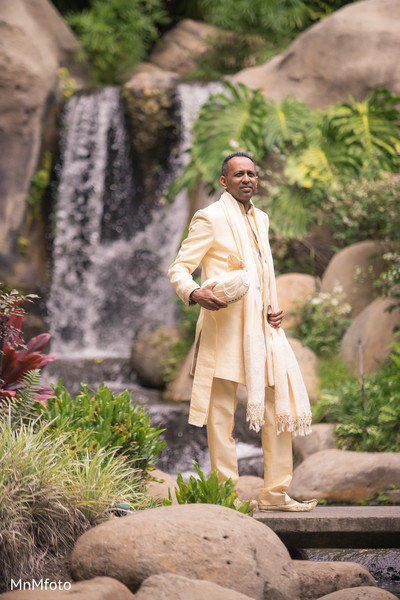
x: 50, y: 494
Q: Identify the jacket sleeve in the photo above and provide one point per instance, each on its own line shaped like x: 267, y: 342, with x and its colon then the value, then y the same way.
x: 190, y: 255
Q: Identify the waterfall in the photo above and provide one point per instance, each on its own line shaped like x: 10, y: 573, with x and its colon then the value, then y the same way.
x: 110, y: 254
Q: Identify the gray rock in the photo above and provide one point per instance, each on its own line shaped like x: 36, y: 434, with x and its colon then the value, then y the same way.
x: 179, y: 47
x: 355, y: 269
x: 344, y: 476
x: 99, y: 588
x: 308, y: 363
x: 248, y: 487
x: 320, y: 578
x: 175, y: 587
x: 360, y: 593
x: 375, y: 328
x: 349, y: 52
x: 198, y: 541
x: 148, y: 354
x: 292, y: 288
x: 158, y: 485
x: 322, y: 438
x: 180, y: 389
x: 36, y: 42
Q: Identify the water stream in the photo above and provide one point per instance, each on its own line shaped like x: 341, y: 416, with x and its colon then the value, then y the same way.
x: 110, y: 253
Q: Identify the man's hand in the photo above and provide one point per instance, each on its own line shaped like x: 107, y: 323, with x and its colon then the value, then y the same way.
x: 274, y: 318
x: 206, y: 298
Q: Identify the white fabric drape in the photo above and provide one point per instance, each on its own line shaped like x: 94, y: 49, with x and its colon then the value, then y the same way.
x: 292, y: 406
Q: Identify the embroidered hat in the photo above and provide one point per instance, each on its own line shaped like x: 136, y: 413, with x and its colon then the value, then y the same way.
x: 231, y: 286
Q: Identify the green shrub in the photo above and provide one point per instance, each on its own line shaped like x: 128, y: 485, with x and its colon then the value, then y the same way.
x: 49, y: 496
x: 207, y: 491
x: 368, y: 421
x: 363, y: 210
x: 116, y: 34
x: 108, y: 420
x: 321, y: 320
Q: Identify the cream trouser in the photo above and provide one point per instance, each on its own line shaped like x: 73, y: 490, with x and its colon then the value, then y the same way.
x: 277, y: 449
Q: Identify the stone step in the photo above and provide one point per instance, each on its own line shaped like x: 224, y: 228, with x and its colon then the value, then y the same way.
x: 336, y: 527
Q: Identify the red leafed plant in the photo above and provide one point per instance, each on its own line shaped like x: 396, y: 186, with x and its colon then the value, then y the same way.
x: 15, y: 363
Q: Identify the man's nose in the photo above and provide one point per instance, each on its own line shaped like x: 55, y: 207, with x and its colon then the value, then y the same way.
x: 245, y: 177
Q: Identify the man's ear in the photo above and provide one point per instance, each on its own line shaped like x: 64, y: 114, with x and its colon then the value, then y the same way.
x: 222, y: 181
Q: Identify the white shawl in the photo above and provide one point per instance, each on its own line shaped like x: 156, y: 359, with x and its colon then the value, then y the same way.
x: 292, y: 406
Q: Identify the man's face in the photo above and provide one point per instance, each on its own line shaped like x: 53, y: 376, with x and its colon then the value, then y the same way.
x: 241, y: 179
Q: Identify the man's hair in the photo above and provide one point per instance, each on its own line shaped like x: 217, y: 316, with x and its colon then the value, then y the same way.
x: 224, y: 166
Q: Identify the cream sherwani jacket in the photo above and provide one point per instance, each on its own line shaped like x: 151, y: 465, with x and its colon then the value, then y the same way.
x: 219, y: 334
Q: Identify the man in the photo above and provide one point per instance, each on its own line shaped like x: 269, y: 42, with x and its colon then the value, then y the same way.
x: 242, y: 341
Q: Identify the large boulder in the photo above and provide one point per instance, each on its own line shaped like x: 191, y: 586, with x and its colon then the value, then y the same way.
x: 293, y: 288
x: 35, y: 43
x: 248, y: 487
x: 308, y: 363
x: 349, y: 52
x: 148, y: 354
x: 345, y: 476
x: 158, y: 485
x: 322, y: 438
x: 318, y: 578
x: 360, y: 593
x: 175, y: 587
x: 355, y: 269
x: 151, y: 110
x: 99, y: 588
x: 374, y: 329
x: 180, y: 388
x: 179, y: 47
x: 198, y: 541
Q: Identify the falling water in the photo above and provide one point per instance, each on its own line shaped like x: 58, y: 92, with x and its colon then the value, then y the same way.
x: 110, y: 254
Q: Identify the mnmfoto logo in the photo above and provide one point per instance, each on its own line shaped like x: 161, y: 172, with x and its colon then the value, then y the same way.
x: 43, y: 584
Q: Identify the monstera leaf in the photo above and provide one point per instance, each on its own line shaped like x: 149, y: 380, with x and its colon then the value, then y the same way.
x: 228, y: 122
x: 370, y: 129
x: 287, y: 122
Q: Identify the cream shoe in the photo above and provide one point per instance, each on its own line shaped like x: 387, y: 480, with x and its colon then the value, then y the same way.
x: 291, y: 506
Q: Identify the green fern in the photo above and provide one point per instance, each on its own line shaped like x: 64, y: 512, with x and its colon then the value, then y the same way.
x: 21, y: 408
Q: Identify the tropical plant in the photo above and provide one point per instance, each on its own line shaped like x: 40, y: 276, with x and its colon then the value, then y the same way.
x: 370, y: 129
x: 207, y: 491
x: 227, y: 123
x: 49, y: 496
x: 321, y: 150
x: 11, y: 314
x: 321, y: 320
x: 287, y: 122
x: 368, y: 418
x: 108, y: 420
x: 18, y: 363
x: 15, y: 364
x: 116, y: 34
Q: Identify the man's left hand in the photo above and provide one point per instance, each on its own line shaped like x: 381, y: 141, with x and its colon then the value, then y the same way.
x: 274, y: 318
